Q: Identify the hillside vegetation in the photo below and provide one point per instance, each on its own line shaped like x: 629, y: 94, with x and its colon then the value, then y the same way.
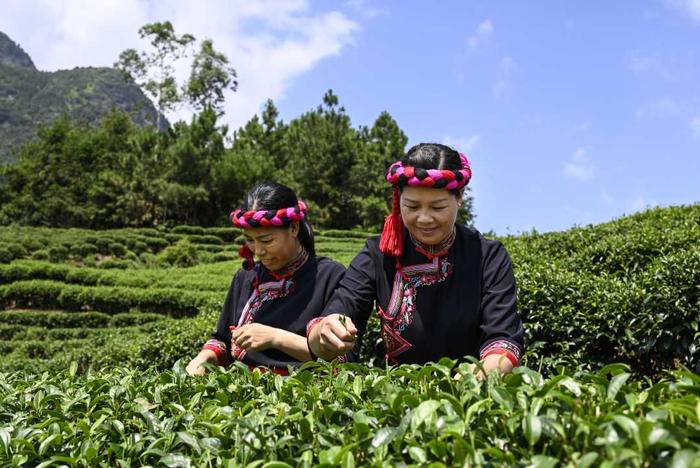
x: 625, y: 291
x: 611, y: 313
x: 30, y: 97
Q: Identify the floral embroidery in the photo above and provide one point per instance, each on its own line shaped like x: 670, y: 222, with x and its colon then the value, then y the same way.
x: 219, y: 348
x: 401, y: 310
x: 508, y: 348
x: 261, y: 294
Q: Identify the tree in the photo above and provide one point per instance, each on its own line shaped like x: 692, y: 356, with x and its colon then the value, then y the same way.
x: 210, y: 76
x: 323, y: 148
x: 384, y: 143
x: 154, y: 71
x: 273, y: 141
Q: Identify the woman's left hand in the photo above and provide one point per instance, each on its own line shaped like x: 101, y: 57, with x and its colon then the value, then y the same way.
x: 255, y: 337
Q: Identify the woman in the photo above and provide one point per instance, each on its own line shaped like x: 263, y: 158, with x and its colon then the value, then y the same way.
x: 441, y: 289
x: 268, y: 305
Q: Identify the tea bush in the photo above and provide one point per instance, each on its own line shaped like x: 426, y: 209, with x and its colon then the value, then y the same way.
x: 349, y: 415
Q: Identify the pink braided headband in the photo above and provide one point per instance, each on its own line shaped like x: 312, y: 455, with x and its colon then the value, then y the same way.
x: 435, y: 178
x: 262, y: 218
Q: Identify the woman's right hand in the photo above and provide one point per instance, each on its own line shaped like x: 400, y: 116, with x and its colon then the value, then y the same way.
x: 195, y: 367
x: 334, y: 336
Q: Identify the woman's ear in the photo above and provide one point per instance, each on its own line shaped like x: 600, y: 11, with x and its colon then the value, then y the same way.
x: 294, y: 228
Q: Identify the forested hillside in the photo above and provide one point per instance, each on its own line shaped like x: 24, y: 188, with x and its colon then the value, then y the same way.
x: 30, y: 97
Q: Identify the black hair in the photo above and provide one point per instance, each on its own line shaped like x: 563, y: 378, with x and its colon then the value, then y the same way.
x: 274, y: 196
x: 433, y: 156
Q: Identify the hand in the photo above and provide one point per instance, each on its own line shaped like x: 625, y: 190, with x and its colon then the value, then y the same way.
x: 195, y: 368
x: 255, y: 337
x: 334, y: 336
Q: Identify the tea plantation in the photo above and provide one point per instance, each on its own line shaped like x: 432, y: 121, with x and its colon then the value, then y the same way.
x: 93, y: 323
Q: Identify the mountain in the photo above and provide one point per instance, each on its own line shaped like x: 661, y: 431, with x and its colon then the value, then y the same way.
x: 30, y: 97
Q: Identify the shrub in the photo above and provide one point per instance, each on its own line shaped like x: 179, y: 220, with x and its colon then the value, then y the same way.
x: 58, y: 253
x: 84, y: 249
x: 117, y: 249
x: 40, y: 255
x: 181, y: 254
x: 5, y: 254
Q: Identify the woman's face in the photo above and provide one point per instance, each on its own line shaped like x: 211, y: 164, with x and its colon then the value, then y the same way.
x: 428, y: 213
x: 275, y: 247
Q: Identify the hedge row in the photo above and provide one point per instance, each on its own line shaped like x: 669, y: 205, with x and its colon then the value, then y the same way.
x: 183, y: 279
x: 60, y: 319
x: 43, y: 294
x: 652, y: 322
x: 323, y: 415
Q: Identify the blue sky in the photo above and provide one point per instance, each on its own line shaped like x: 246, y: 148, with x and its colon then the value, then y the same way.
x: 571, y: 112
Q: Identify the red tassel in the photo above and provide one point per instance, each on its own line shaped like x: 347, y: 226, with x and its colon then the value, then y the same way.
x: 247, y: 255
x: 391, y: 241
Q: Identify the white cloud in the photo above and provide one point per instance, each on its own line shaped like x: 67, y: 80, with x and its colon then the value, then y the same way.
x: 690, y: 8
x: 465, y: 144
x: 607, y: 198
x: 482, y: 33
x: 582, y: 126
x: 661, y: 108
x: 667, y: 67
x: 270, y: 43
x: 642, y: 63
x: 363, y: 8
x: 503, y: 80
x: 580, y: 166
x: 695, y: 126
x: 639, y: 203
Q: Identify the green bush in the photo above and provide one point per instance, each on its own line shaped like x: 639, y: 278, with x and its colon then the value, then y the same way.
x: 102, y: 244
x: 117, y: 249
x: 58, y: 253
x: 5, y: 254
x: 40, y: 255
x: 181, y: 254
x: 222, y: 257
x: 43, y: 294
x: 188, y: 230
x: 347, y: 415
x: 84, y: 249
x: 17, y: 250
x: 156, y: 244
x: 115, y: 264
x: 54, y: 319
x: 32, y: 244
x: 131, y: 319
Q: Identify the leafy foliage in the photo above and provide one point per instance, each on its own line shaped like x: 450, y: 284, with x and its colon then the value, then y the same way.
x: 349, y: 415
x: 139, y: 177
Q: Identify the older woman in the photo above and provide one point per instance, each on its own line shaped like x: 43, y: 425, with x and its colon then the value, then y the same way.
x: 441, y: 289
x: 268, y: 305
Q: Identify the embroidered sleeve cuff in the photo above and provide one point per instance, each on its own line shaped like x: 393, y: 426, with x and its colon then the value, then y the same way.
x: 219, y: 348
x: 504, y: 347
x: 312, y: 323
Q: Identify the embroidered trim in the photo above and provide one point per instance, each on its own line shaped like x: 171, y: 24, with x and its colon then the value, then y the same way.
x: 293, y: 266
x: 219, y: 348
x: 508, y: 348
x: 400, y: 312
x: 435, y: 250
x: 261, y: 294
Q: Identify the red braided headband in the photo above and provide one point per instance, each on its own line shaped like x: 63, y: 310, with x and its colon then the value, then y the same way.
x: 391, y: 241
x: 435, y: 178
x: 274, y: 218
